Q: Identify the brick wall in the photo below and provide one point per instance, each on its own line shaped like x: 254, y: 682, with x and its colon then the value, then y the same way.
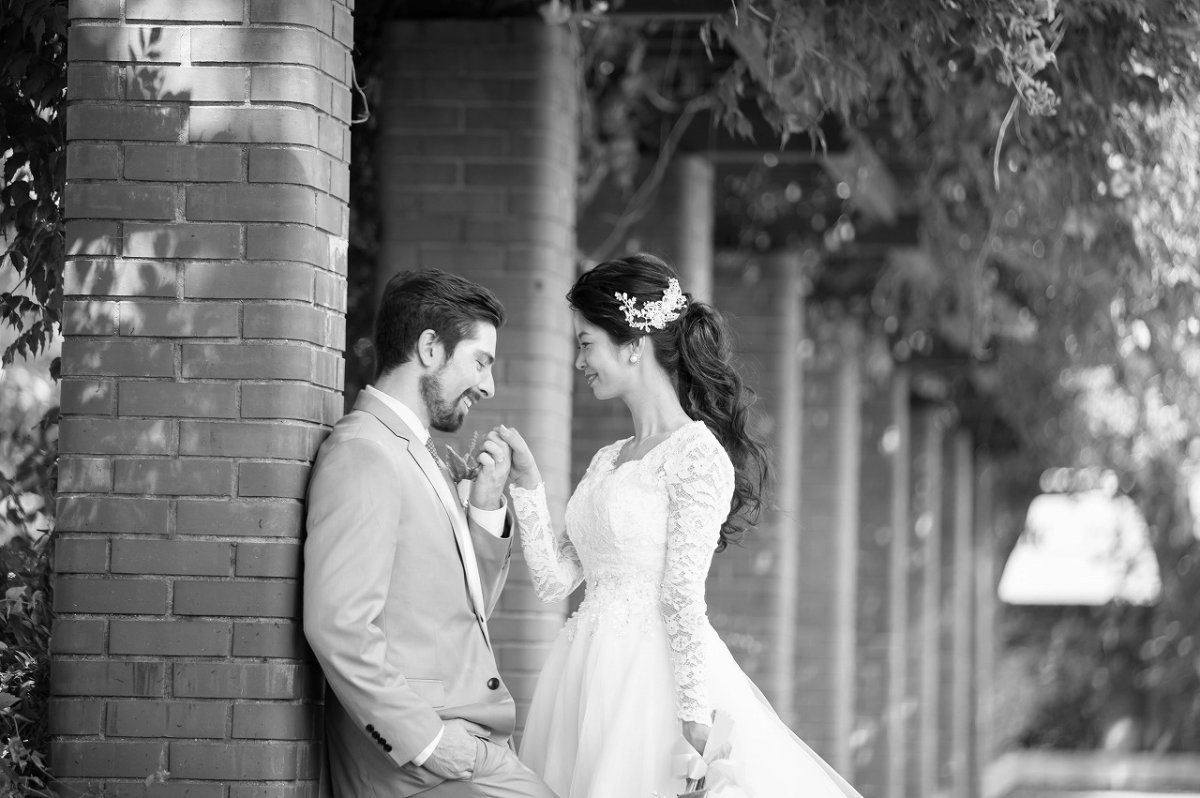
x: 204, y: 298
x: 478, y: 155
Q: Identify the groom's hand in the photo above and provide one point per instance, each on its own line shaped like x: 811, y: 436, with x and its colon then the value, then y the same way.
x: 495, y: 461
x: 454, y: 757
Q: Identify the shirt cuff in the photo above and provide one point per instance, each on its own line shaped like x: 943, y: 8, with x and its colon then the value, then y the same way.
x: 421, y: 758
x: 492, y: 521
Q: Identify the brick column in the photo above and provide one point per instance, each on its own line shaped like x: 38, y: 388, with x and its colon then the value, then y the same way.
x: 205, y: 290
x: 899, y: 449
x: 928, y: 507
x: 478, y: 168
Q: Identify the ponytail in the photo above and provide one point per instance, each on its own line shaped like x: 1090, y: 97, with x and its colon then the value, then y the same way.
x: 711, y: 390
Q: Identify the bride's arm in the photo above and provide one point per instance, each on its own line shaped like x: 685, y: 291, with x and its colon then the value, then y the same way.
x: 553, y: 563
x: 699, y: 489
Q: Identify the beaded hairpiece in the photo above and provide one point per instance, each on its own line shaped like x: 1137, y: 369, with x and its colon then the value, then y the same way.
x: 653, y: 315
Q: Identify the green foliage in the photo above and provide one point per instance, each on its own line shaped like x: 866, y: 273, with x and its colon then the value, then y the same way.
x: 24, y: 668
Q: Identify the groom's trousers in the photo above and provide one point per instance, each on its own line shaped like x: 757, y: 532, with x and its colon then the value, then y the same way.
x: 498, y: 774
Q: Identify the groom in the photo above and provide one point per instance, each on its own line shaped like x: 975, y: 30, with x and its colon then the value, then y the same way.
x: 399, y: 577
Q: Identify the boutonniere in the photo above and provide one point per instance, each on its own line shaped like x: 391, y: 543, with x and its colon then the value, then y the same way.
x: 463, y: 468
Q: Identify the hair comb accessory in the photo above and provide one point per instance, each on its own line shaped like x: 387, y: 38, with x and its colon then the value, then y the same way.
x: 653, y: 315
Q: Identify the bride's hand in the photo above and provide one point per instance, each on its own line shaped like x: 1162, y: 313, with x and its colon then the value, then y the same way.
x: 524, y: 469
x: 696, y: 734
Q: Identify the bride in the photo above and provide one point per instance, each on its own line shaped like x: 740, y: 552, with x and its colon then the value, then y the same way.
x: 638, y: 669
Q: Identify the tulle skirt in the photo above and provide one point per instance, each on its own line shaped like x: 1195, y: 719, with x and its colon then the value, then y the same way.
x: 603, y: 720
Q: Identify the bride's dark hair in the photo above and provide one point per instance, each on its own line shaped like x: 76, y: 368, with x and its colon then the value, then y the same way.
x: 697, y: 353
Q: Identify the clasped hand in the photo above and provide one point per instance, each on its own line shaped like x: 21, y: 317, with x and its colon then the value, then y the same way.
x: 495, y: 461
x: 454, y: 756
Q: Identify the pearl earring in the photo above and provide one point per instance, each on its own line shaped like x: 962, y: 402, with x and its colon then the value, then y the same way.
x: 633, y: 358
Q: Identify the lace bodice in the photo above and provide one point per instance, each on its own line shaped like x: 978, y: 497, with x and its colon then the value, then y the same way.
x: 641, y: 535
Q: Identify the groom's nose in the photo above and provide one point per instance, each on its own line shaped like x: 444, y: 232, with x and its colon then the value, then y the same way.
x: 487, y: 385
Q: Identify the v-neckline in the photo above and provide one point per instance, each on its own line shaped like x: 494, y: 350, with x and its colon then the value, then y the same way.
x: 614, y: 466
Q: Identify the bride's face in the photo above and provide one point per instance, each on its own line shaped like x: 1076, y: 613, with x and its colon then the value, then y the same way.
x: 605, y: 365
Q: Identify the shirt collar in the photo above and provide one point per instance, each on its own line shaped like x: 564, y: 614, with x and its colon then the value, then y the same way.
x: 399, y: 408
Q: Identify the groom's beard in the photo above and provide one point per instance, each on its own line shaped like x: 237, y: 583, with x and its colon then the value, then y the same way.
x: 444, y: 415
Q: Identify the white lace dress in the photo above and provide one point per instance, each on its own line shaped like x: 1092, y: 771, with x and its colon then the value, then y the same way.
x: 639, y: 655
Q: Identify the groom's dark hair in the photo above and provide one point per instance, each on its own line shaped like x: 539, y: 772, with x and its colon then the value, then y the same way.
x: 415, y: 301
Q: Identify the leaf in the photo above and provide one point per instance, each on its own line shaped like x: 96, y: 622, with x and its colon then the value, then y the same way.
x: 7, y: 700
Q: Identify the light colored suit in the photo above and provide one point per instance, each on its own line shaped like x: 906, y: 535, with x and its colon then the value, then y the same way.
x: 387, y: 608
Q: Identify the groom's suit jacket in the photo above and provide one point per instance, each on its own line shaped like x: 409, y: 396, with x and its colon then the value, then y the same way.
x: 387, y: 607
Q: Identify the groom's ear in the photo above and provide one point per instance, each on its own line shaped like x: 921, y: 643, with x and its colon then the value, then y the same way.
x: 430, y: 349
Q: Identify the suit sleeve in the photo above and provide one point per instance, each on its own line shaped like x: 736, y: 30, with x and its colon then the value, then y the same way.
x: 348, y: 557
x: 492, y: 554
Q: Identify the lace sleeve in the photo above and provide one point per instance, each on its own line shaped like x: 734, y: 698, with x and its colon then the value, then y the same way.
x: 699, y: 488
x: 553, y: 562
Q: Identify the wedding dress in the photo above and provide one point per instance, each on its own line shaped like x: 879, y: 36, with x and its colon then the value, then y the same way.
x: 639, y: 655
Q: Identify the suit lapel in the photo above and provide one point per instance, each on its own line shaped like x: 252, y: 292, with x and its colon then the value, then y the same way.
x: 441, y: 485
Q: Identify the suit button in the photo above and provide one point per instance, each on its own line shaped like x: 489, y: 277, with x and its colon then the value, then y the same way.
x: 493, y: 683
x: 387, y: 747
x: 370, y: 728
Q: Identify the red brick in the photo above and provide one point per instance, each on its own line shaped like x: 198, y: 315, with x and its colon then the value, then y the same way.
x: 93, y: 82
x: 117, y: 436
x: 182, y: 162
x: 313, y: 13
x: 485, y: 202
x: 332, y: 215
x: 297, y: 789
x: 244, y: 681
x: 110, y: 596
x: 422, y: 172
x: 189, y: 476
x: 331, y: 293
x: 180, y: 319
x: 76, y: 717
x: 249, y: 281
x: 190, y: 84
x: 182, y: 240
x: 425, y: 118
x: 282, y: 480
x: 252, y: 125
x: 107, y: 678
x: 119, y: 278
x: 300, y: 402
x: 431, y: 229
x: 169, y: 638
x: 89, y: 318
x: 94, y: 9
x: 269, y: 639
x: 173, y: 11
x: 179, y: 399
x: 237, y: 599
x: 84, y: 474
x: 249, y: 439
x: 342, y: 103
x: 248, y: 361
x: 143, y: 516
x: 93, y: 397
x: 275, y: 722
x: 105, y: 759
x: 252, y: 203
x: 176, y: 557
x: 268, y: 560
x: 291, y: 84
x: 289, y: 165
x: 117, y: 359
x: 237, y: 518
x: 75, y: 636
x: 233, y: 761
x: 125, y: 122
x: 119, y: 201
x: 339, y: 181
x: 256, y: 45
x: 335, y: 60
x: 331, y: 136
x: 166, y: 718
x: 124, y: 43
x: 88, y: 237
x: 294, y: 322
x: 288, y: 243
x: 165, y: 789
x: 75, y: 555
x: 343, y: 26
